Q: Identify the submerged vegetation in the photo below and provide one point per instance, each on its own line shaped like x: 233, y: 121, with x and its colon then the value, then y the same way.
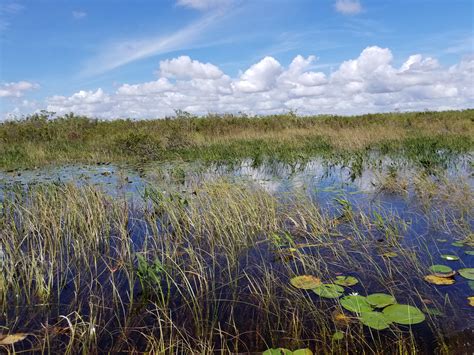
x: 427, y: 138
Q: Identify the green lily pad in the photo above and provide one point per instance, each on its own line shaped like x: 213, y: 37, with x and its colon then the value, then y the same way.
x: 450, y: 257
x: 302, y: 352
x: 381, y: 300
x: 440, y: 269
x: 305, y: 282
x: 375, y: 320
x: 471, y: 284
x: 404, y: 314
x: 457, y: 244
x: 390, y: 254
x: 278, y: 351
x: 467, y: 273
x: 356, y: 304
x: 338, y: 335
x: 329, y: 290
x: 469, y: 252
x: 346, y: 280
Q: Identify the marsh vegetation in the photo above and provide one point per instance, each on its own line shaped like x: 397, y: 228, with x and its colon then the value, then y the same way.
x: 326, y: 235
x: 423, y: 137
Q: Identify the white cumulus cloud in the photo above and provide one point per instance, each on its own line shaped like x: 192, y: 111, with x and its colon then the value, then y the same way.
x: 259, y: 77
x: 185, y: 67
x: 16, y: 89
x: 368, y: 83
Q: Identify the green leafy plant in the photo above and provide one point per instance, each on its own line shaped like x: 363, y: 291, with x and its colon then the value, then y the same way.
x: 153, y: 278
x: 346, y: 281
x: 329, y: 290
x: 356, y: 303
x: 380, y: 300
x: 404, y: 314
x: 375, y: 320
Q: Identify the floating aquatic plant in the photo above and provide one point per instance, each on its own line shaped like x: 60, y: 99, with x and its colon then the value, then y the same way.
x: 357, y: 304
x: 467, y: 273
x: 450, y: 257
x: 338, y: 335
x: 404, y: 314
x: 457, y: 244
x: 346, y: 280
x: 305, y: 282
x: 471, y: 284
x: 380, y: 300
x: 278, y: 351
x: 439, y: 280
x: 471, y: 301
x: 469, y: 252
x: 329, y: 290
x: 442, y: 269
x: 375, y: 320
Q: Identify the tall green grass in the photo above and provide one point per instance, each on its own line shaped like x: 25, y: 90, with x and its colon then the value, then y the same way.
x: 425, y: 137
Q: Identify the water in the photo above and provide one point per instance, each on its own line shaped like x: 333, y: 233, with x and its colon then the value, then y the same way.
x: 330, y: 186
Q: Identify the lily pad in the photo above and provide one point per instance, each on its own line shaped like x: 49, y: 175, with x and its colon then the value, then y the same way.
x: 356, y: 304
x: 450, y: 257
x: 306, y: 282
x: 390, y: 254
x: 338, y: 335
x: 441, y: 269
x: 467, y: 273
x: 302, y: 352
x: 346, y: 280
x: 278, y: 351
x: 469, y: 252
x: 448, y: 275
x: 404, y: 314
x: 471, y: 301
x: 457, y: 244
x: 375, y: 320
x: 380, y: 300
x: 438, y: 280
x: 442, y: 240
x: 329, y: 290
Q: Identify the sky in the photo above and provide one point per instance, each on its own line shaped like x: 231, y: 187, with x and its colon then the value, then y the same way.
x: 149, y: 58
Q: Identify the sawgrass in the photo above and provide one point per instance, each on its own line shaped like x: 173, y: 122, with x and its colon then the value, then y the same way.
x: 427, y: 138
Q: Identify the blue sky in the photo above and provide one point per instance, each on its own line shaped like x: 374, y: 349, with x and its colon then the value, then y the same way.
x: 81, y: 56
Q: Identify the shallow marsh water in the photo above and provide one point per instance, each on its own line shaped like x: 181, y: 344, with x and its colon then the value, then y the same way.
x: 404, y: 221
